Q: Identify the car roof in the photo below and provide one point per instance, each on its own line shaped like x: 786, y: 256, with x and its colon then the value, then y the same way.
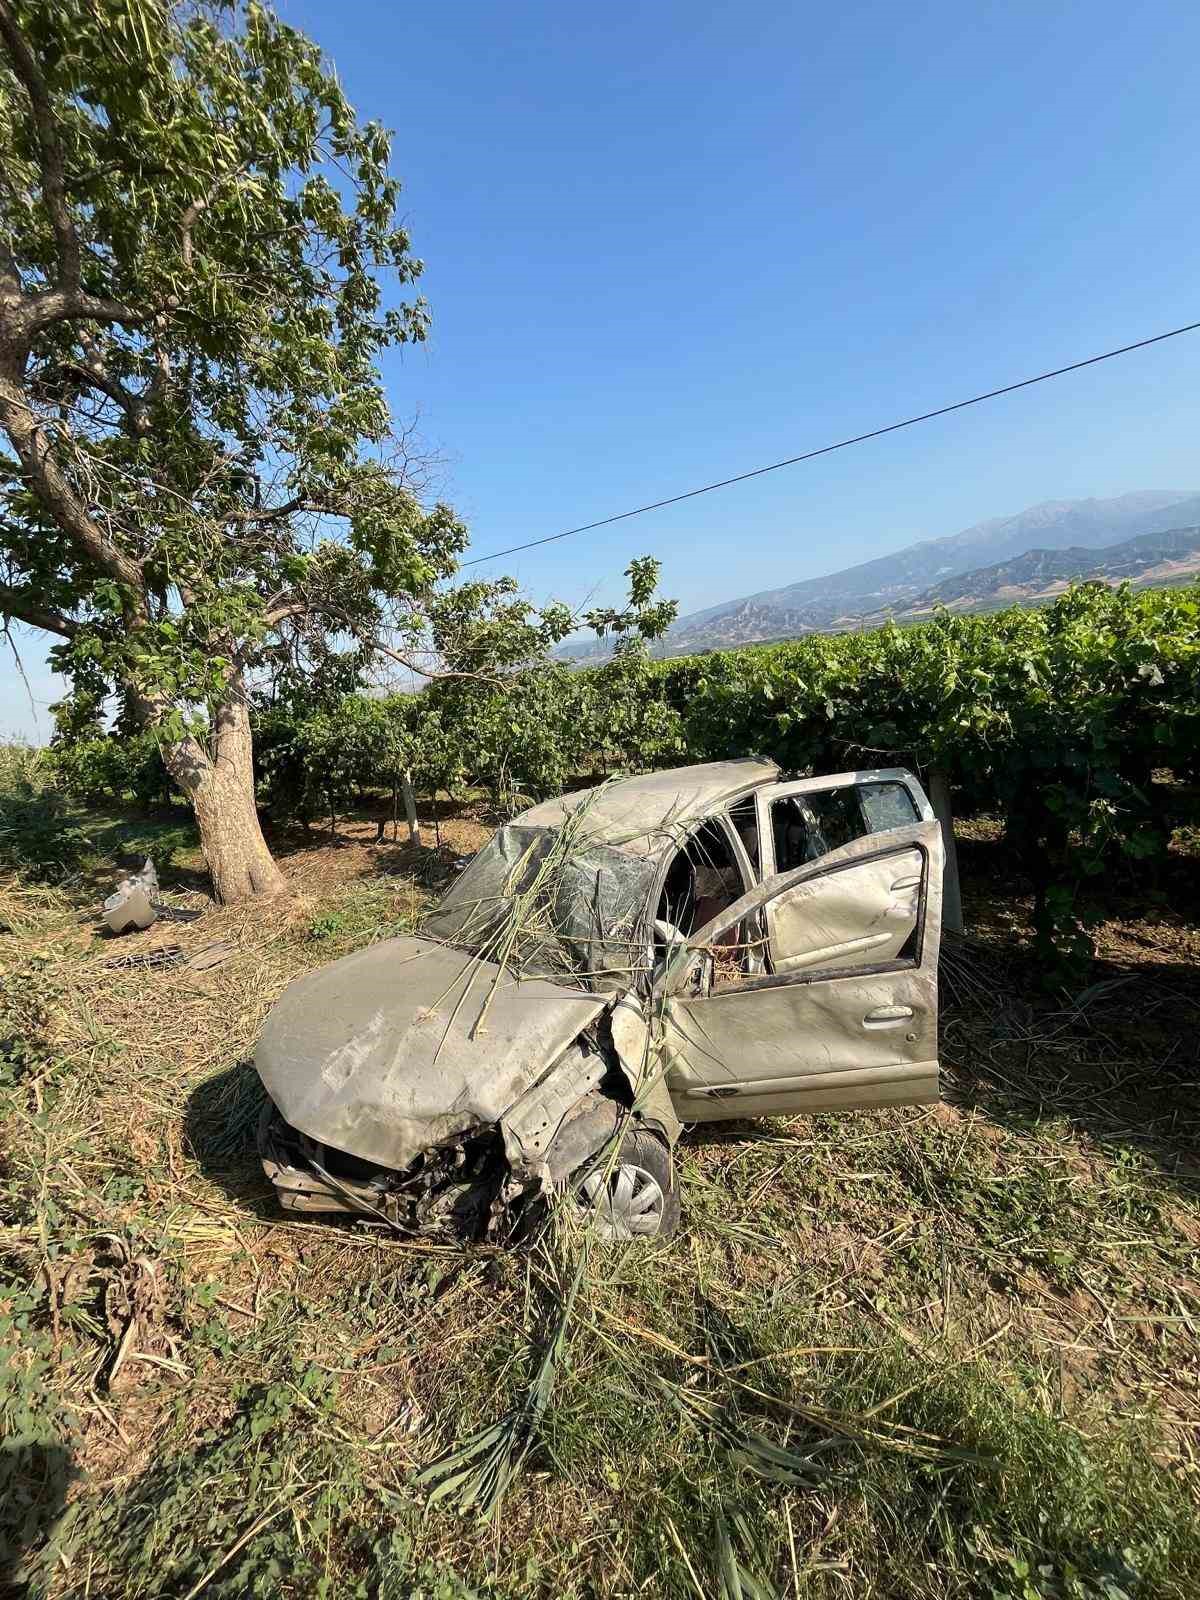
x: 647, y: 814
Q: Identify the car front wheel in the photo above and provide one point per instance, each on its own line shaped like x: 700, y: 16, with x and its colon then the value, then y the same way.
x: 632, y: 1196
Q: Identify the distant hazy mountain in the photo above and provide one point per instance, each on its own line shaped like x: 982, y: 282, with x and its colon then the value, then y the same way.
x: 844, y: 599
x: 1152, y: 558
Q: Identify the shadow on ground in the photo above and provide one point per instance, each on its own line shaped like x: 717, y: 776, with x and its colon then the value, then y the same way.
x: 1118, y: 1062
x: 34, y: 1479
x: 1156, y: 898
x: 220, y: 1124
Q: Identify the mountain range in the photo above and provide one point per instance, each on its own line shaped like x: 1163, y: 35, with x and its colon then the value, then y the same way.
x: 1000, y: 561
x: 1151, y: 559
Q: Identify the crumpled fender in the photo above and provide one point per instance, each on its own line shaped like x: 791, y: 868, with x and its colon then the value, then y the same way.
x: 639, y: 1049
x: 531, y: 1125
x: 562, y: 1120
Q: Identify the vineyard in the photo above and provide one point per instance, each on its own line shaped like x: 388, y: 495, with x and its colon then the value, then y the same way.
x: 1056, y: 720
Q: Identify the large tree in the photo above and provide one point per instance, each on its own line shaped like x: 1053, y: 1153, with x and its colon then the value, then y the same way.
x: 196, y: 237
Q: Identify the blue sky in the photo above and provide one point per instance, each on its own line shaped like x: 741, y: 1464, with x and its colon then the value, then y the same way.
x: 670, y: 242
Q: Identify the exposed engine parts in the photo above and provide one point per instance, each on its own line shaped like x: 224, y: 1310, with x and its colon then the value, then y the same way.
x: 456, y: 1191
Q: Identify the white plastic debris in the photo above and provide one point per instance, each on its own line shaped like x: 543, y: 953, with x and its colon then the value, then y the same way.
x: 130, y: 905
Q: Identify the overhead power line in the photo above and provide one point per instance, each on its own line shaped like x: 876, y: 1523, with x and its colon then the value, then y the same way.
x: 828, y: 449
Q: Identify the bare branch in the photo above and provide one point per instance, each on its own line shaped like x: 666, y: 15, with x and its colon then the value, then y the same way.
x: 95, y: 375
x: 425, y: 672
x: 6, y: 628
x: 313, y: 505
x: 22, y: 604
x: 289, y: 508
x: 38, y: 311
x: 281, y: 610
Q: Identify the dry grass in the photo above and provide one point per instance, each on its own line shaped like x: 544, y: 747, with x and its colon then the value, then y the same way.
x: 951, y: 1351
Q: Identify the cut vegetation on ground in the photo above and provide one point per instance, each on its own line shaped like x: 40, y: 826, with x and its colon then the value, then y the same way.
x: 934, y: 1352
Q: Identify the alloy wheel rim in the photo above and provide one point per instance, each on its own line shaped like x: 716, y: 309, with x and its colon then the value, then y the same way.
x: 626, y: 1203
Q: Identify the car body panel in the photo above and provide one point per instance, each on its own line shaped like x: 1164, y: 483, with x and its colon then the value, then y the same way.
x: 407, y: 1043
x: 415, y: 1045
x: 636, y: 1044
x: 648, y: 814
x: 531, y: 1126
x: 851, y: 1033
x: 842, y: 919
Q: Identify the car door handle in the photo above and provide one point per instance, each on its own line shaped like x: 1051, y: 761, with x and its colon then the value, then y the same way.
x: 885, y: 1016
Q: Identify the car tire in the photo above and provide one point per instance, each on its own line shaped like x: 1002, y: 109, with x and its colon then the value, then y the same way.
x: 634, y: 1195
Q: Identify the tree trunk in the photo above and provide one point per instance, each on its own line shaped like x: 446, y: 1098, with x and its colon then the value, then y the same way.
x: 410, y: 808
x: 221, y: 790
x: 232, y: 840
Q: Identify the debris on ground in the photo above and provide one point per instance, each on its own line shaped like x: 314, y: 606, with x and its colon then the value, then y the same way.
x: 135, y: 1310
x: 165, y: 956
x: 131, y: 904
x: 210, y: 955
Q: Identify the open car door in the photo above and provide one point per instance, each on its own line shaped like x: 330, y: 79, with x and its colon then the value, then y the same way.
x: 827, y: 999
x: 808, y: 818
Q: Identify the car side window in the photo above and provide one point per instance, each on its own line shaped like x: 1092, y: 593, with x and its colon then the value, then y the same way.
x: 805, y: 827
x: 887, y: 804
x: 702, y: 880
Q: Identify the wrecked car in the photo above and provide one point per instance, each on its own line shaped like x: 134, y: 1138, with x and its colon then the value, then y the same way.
x: 693, y: 945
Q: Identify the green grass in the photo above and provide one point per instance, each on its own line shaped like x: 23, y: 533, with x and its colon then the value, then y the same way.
x: 168, y: 837
x: 51, y: 838
x: 932, y: 1353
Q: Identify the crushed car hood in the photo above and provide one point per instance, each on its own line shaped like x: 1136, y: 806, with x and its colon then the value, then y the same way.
x: 374, y: 1055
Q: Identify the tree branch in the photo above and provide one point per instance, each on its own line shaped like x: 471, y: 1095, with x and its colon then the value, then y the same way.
x: 23, y: 605
x: 289, y: 508
x: 10, y: 275
x: 425, y: 672
x: 54, y: 191
x: 58, y: 495
x: 298, y: 606
x: 95, y: 375
x: 279, y: 610
x: 198, y: 207
x: 38, y: 311
x: 187, y: 222
x: 30, y: 313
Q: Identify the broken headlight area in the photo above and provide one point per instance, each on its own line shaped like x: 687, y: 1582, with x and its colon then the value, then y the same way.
x: 460, y: 1189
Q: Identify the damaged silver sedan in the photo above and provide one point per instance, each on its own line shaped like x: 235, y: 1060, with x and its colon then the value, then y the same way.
x: 688, y: 946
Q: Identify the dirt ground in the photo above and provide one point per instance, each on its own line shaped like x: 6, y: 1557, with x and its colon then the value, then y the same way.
x: 939, y: 1351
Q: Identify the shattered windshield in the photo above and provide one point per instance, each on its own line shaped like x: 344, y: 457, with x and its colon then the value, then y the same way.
x: 551, y: 903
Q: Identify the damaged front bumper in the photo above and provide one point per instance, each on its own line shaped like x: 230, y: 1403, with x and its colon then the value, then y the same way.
x: 295, y: 1163
x: 453, y: 1189
x: 478, y: 1182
